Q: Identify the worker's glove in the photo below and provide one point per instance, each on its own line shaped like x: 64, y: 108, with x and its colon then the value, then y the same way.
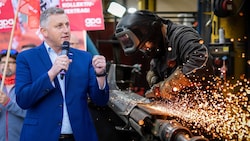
x: 152, y: 78
x: 169, y: 88
x: 154, y: 92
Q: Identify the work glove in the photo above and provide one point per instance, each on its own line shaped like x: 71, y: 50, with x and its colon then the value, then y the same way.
x: 152, y: 78
x: 169, y: 88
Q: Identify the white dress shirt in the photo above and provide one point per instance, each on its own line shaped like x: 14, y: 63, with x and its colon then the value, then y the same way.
x: 66, y: 127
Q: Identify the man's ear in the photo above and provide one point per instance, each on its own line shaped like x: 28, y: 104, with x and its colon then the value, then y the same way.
x: 44, y: 32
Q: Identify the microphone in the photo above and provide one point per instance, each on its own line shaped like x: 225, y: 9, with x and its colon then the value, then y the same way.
x: 65, y: 50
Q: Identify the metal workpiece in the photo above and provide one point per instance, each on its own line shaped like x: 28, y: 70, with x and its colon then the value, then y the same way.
x: 171, y: 130
x: 135, y: 111
x: 139, y: 115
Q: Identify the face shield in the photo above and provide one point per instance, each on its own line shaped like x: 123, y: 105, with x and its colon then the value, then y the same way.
x: 149, y: 49
x: 128, y: 40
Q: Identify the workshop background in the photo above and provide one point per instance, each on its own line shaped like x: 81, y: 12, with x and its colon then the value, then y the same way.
x: 208, y: 17
x: 223, y: 24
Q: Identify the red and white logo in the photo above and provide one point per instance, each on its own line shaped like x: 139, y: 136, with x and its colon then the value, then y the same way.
x: 6, y: 15
x: 93, y: 22
x: 6, y: 23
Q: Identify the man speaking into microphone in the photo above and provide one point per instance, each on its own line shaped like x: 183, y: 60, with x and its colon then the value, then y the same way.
x: 54, y: 83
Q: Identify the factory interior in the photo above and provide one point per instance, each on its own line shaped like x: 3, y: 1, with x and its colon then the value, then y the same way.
x: 221, y: 113
x: 224, y: 27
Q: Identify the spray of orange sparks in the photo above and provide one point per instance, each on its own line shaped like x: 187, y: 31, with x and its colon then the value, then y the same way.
x: 222, y: 110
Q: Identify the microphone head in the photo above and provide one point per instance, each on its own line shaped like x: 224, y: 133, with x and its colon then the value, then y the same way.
x: 65, y: 45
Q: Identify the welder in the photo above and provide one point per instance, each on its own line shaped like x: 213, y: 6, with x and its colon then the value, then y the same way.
x: 179, y: 57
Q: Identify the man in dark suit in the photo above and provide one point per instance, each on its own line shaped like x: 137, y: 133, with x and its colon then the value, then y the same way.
x: 57, y: 104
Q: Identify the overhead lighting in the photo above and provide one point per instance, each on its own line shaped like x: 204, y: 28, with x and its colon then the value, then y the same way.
x: 116, y: 9
x: 132, y: 10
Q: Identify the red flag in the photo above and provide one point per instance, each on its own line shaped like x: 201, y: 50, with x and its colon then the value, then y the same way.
x: 32, y: 9
x: 24, y: 7
x: 6, y: 16
x: 34, y: 17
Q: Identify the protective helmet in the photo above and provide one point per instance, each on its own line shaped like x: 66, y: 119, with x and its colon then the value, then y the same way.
x: 134, y: 30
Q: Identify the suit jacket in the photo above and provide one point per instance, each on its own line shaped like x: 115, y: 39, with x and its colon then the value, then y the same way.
x: 44, y: 102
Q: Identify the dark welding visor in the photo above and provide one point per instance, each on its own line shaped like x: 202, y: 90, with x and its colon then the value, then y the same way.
x: 128, y: 40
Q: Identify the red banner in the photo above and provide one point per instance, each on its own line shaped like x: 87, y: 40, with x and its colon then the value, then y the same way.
x: 6, y: 15
x: 84, y: 14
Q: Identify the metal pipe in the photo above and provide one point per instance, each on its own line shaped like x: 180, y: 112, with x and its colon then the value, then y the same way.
x: 135, y: 111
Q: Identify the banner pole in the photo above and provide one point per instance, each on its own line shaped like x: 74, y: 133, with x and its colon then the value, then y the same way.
x: 84, y: 34
x: 9, y: 46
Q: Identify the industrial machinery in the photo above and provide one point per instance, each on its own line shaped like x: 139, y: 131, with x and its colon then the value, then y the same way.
x: 222, y: 110
x: 137, y: 113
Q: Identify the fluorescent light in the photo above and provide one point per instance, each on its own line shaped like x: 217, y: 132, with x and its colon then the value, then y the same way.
x: 116, y: 9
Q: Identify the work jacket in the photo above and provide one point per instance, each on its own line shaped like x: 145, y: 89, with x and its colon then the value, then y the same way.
x: 11, y: 118
x: 185, y: 49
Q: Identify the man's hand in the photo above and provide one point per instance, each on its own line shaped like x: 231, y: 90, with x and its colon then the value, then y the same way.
x: 154, y: 92
x: 152, y: 78
x: 169, y: 88
x: 4, y: 99
x: 61, y: 63
x: 161, y: 91
x: 99, y: 64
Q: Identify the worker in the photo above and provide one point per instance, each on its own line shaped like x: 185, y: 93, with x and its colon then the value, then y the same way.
x: 178, y: 55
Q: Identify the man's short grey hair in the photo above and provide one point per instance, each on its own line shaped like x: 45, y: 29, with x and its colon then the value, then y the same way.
x: 47, y: 13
